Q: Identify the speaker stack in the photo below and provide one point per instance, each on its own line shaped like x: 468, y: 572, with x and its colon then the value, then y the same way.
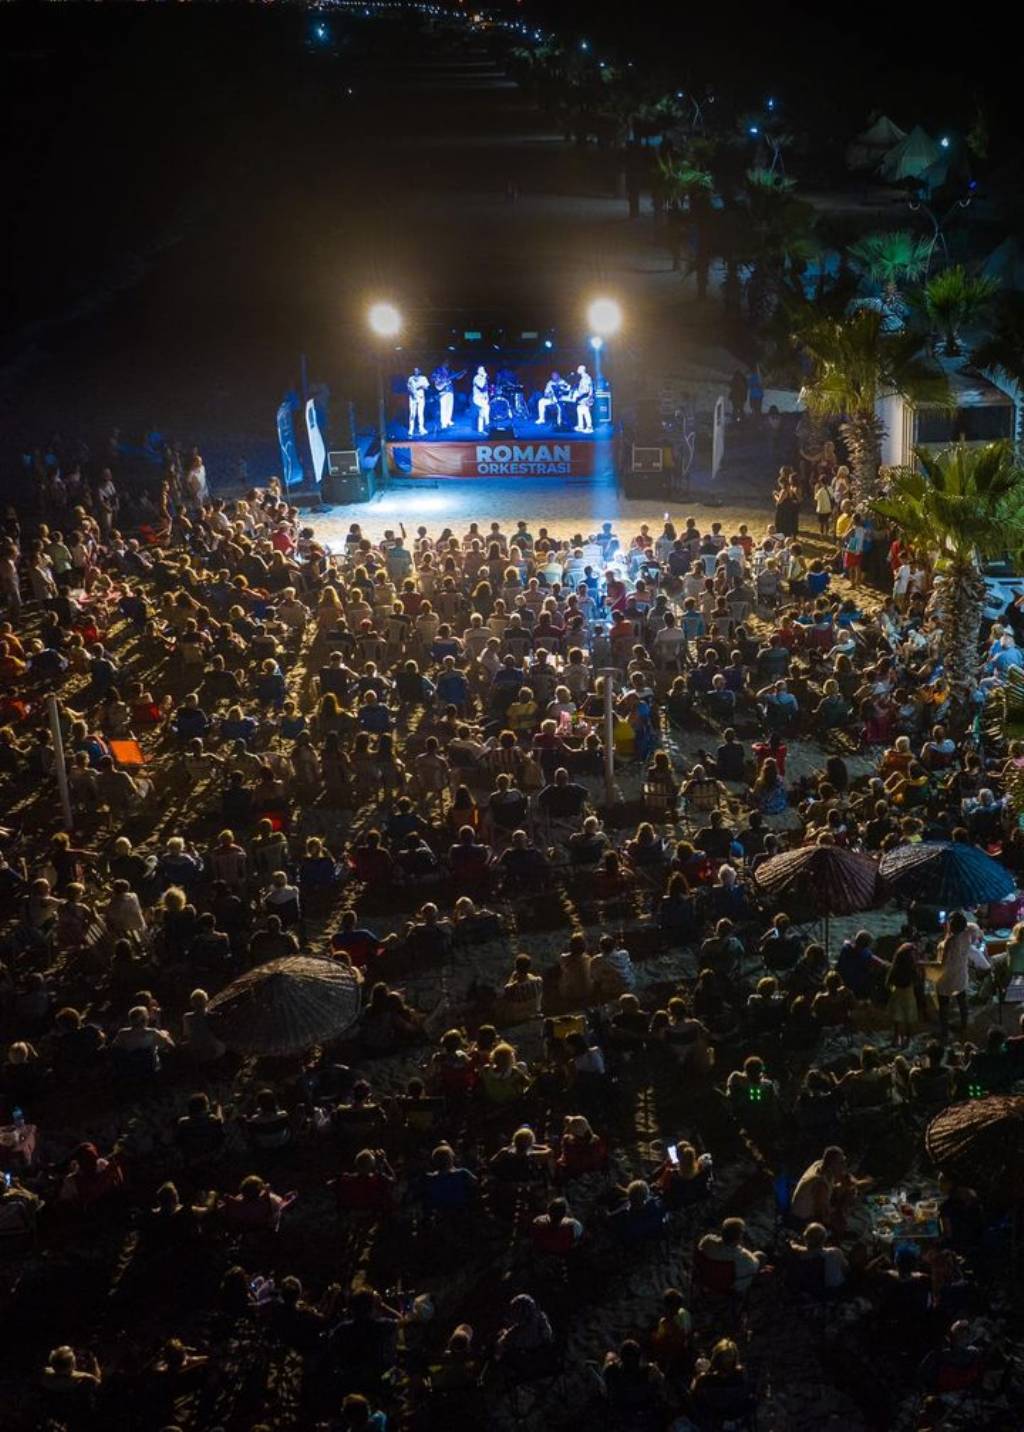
x: 344, y: 481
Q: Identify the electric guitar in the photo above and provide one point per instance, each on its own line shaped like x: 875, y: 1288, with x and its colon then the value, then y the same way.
x: 444, y: 385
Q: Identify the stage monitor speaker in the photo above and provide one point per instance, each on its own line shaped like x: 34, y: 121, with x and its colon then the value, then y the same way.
x: 344, y: 488
x: 646, y: 459
x: 501, y: 430
x: 344, y: 463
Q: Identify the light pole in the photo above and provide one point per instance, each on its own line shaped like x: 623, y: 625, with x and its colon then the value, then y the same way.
x: 386, y: 323
x: 604, y: 317
x: 918, y: 206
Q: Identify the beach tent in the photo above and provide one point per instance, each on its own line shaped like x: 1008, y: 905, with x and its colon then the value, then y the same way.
x: 870, y: 148
x: 1006, y: 264
x: 911, y: 157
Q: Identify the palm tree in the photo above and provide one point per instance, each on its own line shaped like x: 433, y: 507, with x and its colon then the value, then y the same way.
x: 966, y: 503
x: 781, y: 229
x: 953, y: 298
x: 854, y: 363
x: 890, y: 260
x: 694, y: 187
x: 1003, y: 349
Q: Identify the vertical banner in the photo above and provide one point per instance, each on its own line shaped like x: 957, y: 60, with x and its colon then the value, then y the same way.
x: 291, y: 462
x: 317, y: 447
x: 718, y: 436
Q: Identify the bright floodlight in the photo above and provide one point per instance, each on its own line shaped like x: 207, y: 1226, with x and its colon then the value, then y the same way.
x: 385, y: 320
x: 596, y: 342
x: 604, y: 316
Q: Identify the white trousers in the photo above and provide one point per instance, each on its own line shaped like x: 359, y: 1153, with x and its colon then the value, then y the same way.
x: 447, y: 408
x: 584, y: 421
x: 416, y: 414
x: 483, y: 413
x: 544, y: 405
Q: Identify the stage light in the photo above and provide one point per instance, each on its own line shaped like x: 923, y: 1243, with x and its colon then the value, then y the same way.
x: 752, y: 129
x: 385, y: 320
x: 584, y: 45
x: 596, y: 342
x: 604, y: 316
x: 548, y: 343
x: 771, y: 104
x: 679, y: 94
x: 944, y: 141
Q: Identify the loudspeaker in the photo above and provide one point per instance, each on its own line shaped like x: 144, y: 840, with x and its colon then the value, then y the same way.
x: 646, y: 484
x: 344, y: 463
x: 501, y: 430
x: 603, y: 405
x: 349, y: 487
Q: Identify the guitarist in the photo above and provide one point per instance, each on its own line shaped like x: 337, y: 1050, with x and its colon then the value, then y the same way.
x: 444, y: 380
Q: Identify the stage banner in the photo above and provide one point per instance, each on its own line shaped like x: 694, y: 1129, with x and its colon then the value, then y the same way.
x: 317, y: 447
x: 291, y: 462
x: 501, y: 459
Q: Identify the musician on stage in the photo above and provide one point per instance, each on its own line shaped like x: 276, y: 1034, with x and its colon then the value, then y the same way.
x: 583, y: 397
x: 443, y: 380
x: 416, y: 386
x: 481, y: 399
x: 556, y: 390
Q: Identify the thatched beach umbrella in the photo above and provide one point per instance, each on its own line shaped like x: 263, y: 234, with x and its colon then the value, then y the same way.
x: 946, y: 874
x: 824, y: 878
x: 286, y: 1006
x: 982, y: 1142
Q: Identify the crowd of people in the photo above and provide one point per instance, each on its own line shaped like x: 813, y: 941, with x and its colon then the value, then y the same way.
x: 393, y: 756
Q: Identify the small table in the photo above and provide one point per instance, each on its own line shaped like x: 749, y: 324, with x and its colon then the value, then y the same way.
x: 892, y: 1223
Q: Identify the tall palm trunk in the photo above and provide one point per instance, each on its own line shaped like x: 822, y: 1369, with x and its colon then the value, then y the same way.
x: 863, y: 433
x: 959, y: 606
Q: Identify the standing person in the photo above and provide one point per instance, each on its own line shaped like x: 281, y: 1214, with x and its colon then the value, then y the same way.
x: 444, y: 381
x: 853, y: 553
x: 824, y: 505
x: 902, y: 984
x: 755, y: 392
x: 10, y: 581
x: 197, y: 492
x: 416, y: 386
x: 738, y: 394
x: 583, y: 397
x: 957, y: 951
x: 481, y: 399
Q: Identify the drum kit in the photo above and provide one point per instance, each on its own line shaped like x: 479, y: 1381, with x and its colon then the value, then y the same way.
x: 508, y: 401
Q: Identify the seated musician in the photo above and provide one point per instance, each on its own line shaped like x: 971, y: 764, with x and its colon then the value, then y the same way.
x: 556, y: 390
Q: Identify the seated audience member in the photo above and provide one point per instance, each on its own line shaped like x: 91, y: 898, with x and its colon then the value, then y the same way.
x: 727, y: 1246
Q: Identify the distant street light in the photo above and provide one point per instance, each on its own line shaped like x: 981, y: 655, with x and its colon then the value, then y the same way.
x: 604, y: 317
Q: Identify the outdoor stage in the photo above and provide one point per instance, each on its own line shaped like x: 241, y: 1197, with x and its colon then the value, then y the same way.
x: 527, y: 449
